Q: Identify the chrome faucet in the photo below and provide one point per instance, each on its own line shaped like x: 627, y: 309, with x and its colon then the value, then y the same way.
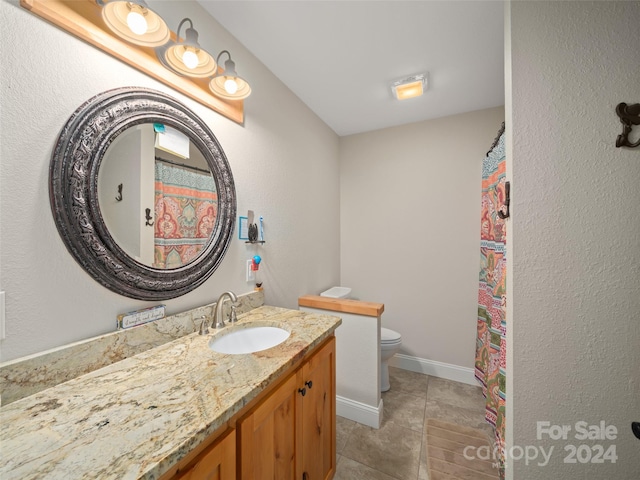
x: 218, y: 320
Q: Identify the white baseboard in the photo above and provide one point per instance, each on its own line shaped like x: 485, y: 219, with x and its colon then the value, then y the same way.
x: 433, y: 368
x: 359, y: 412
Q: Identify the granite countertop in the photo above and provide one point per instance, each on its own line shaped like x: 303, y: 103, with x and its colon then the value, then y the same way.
x: 136, y: 418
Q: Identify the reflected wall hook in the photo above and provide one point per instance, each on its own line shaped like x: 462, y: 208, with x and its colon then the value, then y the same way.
x: 119, y: 196
x: 148, y: 217
x: 629, y: 115
x: 503, y: 212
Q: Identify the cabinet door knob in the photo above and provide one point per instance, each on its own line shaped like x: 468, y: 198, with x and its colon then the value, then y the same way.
x: 305, y: 476
x: 302, y: 391
x: 309, y: 384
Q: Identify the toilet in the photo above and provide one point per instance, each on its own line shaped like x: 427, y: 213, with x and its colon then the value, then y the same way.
x: 390, y: 340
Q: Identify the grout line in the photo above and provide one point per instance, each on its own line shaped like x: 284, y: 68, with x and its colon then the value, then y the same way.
x: 422, y: 432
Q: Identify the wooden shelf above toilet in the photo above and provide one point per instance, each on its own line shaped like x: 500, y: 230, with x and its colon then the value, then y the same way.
x: 343, y: 305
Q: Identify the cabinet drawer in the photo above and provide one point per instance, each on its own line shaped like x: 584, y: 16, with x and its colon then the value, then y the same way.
x: 217, y: 462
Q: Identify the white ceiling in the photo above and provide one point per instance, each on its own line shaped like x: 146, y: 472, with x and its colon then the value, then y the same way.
x: 339, y: 57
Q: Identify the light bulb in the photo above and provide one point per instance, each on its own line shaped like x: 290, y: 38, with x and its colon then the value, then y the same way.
x: 231, y: 86
x: 189, y: 58
x: 136, y: 22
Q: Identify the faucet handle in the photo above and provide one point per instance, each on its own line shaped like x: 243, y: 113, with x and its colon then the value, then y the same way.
x: 233, y: 317
x: 204, y: 327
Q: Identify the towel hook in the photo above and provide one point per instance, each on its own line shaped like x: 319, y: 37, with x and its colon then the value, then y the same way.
x: 119, y: 197
x: 148, y: 217
x: 503, y: 212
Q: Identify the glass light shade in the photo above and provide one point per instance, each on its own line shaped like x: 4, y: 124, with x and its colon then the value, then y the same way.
x: 409, y: 87
x: 115, y: 15
x: 409, y: 90
x: 203, y: 66
x: 217, y: 86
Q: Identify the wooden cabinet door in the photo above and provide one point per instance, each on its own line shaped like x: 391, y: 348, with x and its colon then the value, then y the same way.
x: 269, y: 434
x: 318, y: 415
x: 217, y: 462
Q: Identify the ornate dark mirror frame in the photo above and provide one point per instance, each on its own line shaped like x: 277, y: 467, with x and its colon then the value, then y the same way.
x: 73, y: 192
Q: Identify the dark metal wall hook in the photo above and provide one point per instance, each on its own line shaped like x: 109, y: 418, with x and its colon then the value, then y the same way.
x: 119, y: 196
x: 148, y: 216
x: 629, y: 115
x: 503, y: 211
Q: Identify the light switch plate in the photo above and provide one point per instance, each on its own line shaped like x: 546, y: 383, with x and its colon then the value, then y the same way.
x: 2, y: 332
x: 251, y: 275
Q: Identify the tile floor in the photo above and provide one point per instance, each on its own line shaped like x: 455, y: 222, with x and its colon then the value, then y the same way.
x: 397, y: 450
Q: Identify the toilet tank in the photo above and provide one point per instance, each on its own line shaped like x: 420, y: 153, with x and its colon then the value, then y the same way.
x: 337, y: 292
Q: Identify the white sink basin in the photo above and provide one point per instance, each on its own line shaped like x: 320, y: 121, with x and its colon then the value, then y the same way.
x: 248, y: 340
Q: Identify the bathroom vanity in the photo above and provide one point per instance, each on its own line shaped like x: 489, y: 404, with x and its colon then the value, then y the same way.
x: 183, y: 411
x: 288, y: 434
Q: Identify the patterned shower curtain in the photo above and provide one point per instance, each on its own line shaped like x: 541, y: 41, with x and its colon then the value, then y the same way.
x: 186, y: 206
x: 490, y: 365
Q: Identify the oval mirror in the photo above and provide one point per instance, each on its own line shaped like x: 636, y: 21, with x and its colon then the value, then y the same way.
x: 142, y: 193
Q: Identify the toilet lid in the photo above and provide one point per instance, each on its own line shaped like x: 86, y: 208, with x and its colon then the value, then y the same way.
x: 389, y: 336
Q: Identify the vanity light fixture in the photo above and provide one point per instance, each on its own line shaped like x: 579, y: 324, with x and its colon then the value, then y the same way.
x: 228, y: 84
x: 135, y: 22
x: 185, y: 57
x: 409, y: 87
x: 103, y: 24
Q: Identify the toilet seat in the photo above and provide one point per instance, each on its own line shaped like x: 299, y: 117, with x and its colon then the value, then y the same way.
x: 389, y: 337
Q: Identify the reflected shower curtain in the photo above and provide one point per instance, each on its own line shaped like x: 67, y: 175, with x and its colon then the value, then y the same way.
x: 186, y: 207
x: 490, y: 362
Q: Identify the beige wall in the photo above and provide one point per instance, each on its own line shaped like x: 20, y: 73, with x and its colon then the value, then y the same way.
x: 284, y: 160
x: 410, y: 220
x: 574, y: 318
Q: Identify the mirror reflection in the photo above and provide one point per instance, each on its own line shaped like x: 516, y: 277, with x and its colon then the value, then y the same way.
x: 157, y: 196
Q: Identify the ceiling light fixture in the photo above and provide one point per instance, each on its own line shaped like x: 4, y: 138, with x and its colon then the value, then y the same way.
x: 185, y: 57
x: 410, y: 87
x: 228, y: 84
x: 135, y: 22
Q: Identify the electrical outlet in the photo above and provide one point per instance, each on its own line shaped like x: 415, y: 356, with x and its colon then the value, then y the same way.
x: 251, y: 275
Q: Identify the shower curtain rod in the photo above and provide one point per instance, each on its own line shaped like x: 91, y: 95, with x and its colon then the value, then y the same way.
x: 178, y: 164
